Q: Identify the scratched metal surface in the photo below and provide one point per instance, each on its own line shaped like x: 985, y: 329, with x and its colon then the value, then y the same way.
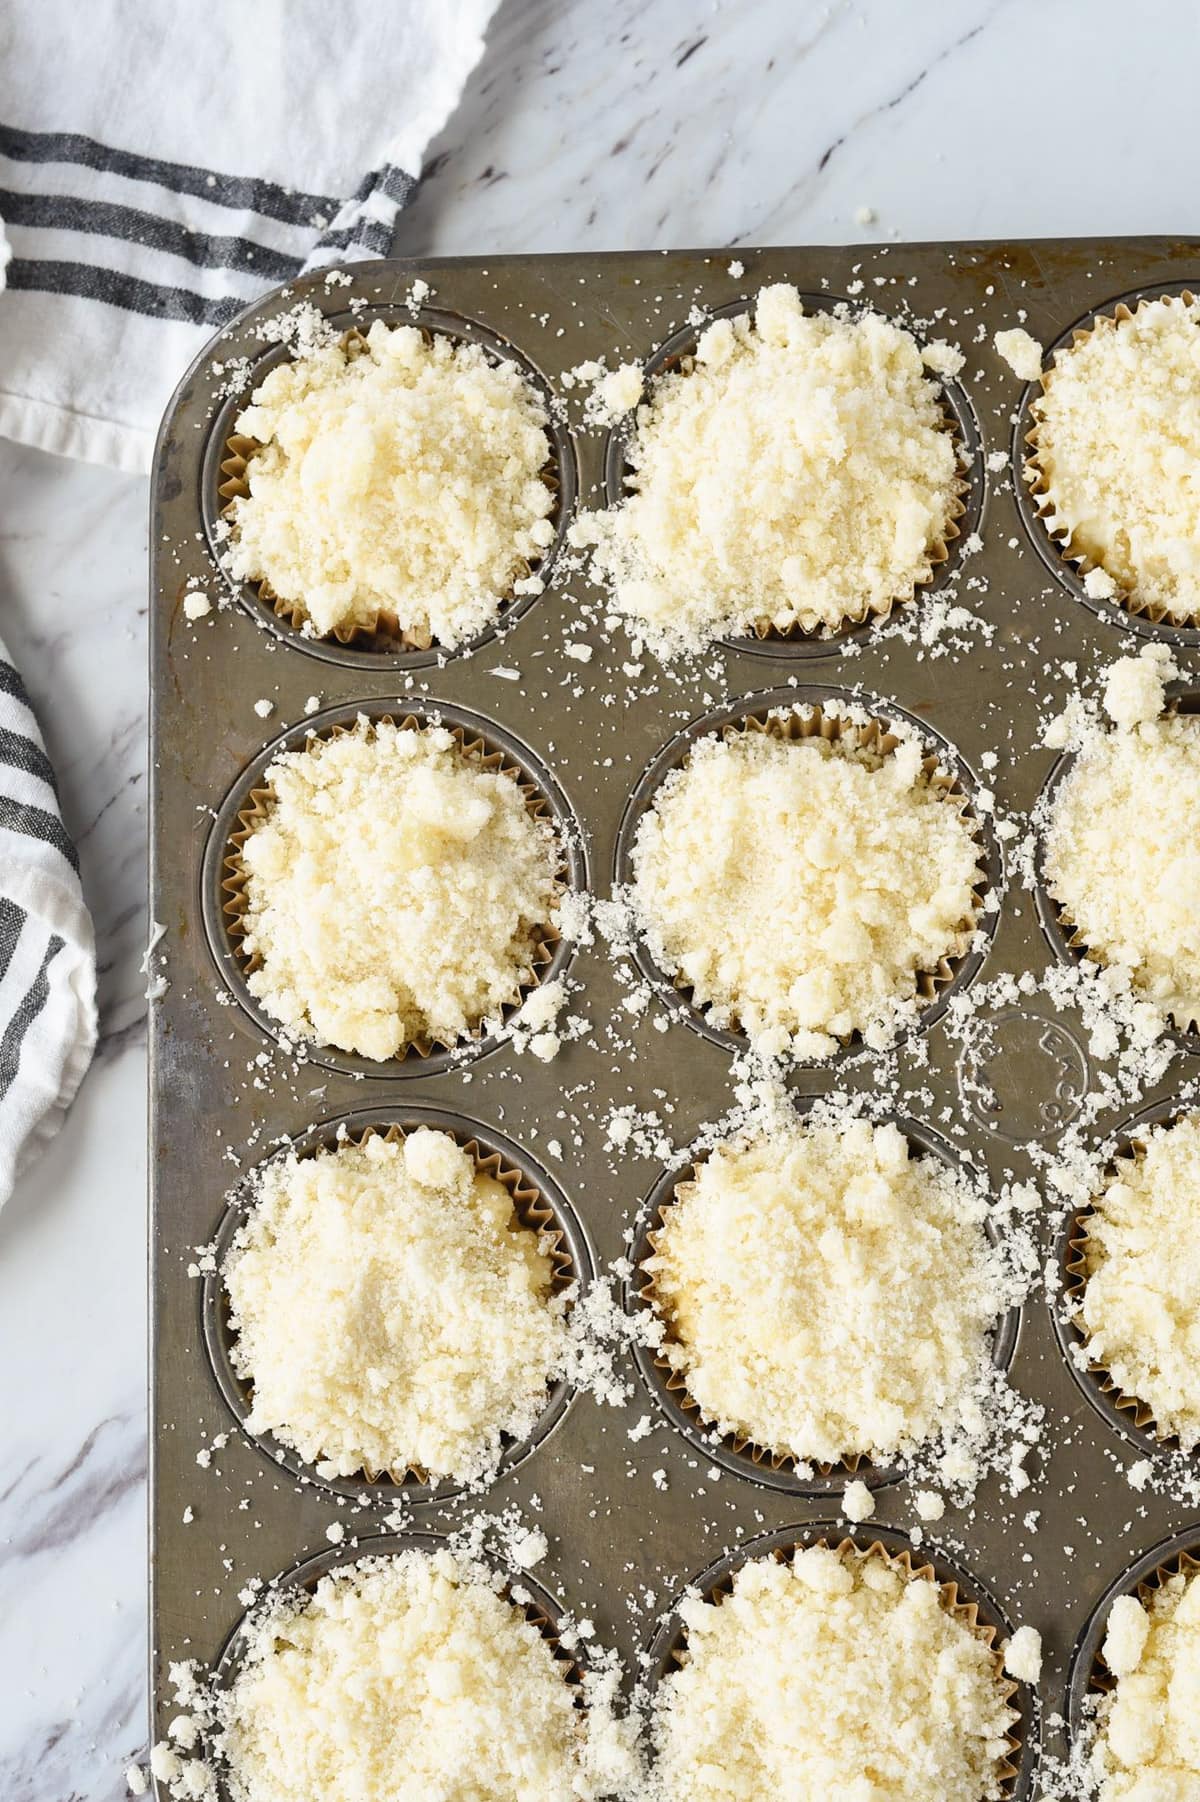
x: 614, y: 1533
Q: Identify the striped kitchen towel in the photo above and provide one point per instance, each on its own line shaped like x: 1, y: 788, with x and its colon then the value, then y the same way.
x: 47, y: 953
x: 161, y: 166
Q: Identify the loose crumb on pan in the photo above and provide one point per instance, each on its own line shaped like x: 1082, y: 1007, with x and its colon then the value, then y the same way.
x: 1021, y: 351
x: 1117, y: 447
x: 834, y: 1666
x: 1146, y: 1742
x: 1023, y: 1655
x: 391, y: 1312
x: 799, y: 472
x: 1140, y: 1308
x: 1122, y: 841
x: 843, y: 874
x: 824, y: 1292
x: 406, y: 1677
x: 394, y: 891
x: 401, y: 480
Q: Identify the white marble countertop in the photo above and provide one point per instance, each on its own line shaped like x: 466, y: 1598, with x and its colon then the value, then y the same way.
x: 643, y: 122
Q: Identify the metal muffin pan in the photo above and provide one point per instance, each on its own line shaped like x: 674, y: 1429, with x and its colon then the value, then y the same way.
x: 629, y: 1522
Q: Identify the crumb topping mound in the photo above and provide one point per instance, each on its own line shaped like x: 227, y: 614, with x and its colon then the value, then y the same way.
x: 391, y: 1312
x: 394, y: 890
x: 1122, y: 855
x: 400, y: 1679
x: 841, y: 1667
x: 1148, y: 1743
x: 799, y: 886
x: 1140, y: 1309
x: 398, y: 478
x: 1118, y: 450
x: 826, y: 1293
x: 800, y: 472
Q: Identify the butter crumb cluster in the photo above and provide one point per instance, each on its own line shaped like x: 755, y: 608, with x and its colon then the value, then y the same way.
x: 390, y: 1311
x: 399, y: 480
x: 1117, y: 448
x: 394, y: 891
x: 824, y: 1292
x: 836, y: 1667
x: 799, y: 886
x: 800, y: 472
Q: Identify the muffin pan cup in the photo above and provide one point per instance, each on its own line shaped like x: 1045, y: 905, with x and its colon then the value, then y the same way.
x: 1067, y: 939
x: 997, y: 1075
x: 795, y: 714
x: 1052, y: 537
x: 961, y: 1595
x: 736, y: 1452
x: 799, y: 641
x: 224, y: 479
x: 538, y: 1204
x: 1127, y: 1414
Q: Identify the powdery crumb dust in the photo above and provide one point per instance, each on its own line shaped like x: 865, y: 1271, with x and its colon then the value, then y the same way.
x: 391, y: 1312
x: 1140, y: 1309
x: 1122, y: 843
x: 800, y: 473
x: 1118, y: 444
x: 824, y: 1292
x: 404, y: 1678
x: 404, y: 483
x: 833, y: 1667
x: 1021, y: 351
x: 1146, y: 1742
x: 394, y: 890
x: 847, y: 874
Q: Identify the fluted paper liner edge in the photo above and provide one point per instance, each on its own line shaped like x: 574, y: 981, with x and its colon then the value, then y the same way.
x: 530, y: 1209
x: 234, y: 881
x: 1037, y: 480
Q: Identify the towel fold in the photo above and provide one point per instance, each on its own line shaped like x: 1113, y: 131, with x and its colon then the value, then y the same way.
x: 47, y: 952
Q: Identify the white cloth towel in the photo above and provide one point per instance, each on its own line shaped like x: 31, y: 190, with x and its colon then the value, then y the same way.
x: 47, y: 953
x: 161, y: 165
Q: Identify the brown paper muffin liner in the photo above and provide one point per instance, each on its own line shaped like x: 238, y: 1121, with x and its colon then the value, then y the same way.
x: 874, y: 742
x: 1078, y: 1267
x: 530, y: 1209
x: 674, y: 1380
x: 384, y: 632
x: 1038, y: 481
x: 968, y: 1613
x: 258, y: 806
x: 1183, y: 1564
